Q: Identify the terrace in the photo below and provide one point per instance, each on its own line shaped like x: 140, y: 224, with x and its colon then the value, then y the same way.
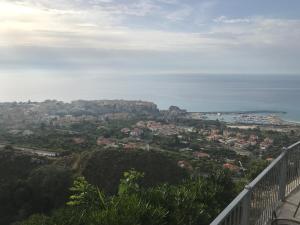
x: 271, y: 198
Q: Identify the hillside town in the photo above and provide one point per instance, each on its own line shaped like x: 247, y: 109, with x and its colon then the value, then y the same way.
x: 140, y: 126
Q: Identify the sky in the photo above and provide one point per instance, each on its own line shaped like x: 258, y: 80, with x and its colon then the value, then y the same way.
x: 67, y: 39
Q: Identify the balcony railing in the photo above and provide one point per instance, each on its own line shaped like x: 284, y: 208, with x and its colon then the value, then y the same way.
x: 256, y: 203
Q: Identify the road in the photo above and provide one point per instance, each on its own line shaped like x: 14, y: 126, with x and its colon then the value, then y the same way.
x: 33, y: 151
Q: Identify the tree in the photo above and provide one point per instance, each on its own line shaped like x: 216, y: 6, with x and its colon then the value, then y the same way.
x: 256, y: 167
x: 49, y: 187
x: 129, y: 182
x: 158, y: 168
x: 193, y: 202
x: 86, y: 196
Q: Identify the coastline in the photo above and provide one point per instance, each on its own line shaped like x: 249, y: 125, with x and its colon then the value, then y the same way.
x: 243, y: 112
x: 259, y: 117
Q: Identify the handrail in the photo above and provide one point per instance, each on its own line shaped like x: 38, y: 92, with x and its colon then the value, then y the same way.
x: 230, y: 207
x: 254, y: 205
x: 267, y: 169
x: 293, y: 145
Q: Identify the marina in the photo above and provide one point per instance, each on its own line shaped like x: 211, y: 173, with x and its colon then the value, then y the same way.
x: 251, y: 117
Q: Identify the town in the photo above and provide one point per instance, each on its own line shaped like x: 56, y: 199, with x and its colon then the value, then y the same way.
x: 197, y: 145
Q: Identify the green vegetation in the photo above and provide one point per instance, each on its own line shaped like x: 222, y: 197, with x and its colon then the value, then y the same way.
x: 255, y: 168
x: 187, y: 203
x: 31, y: 184
x: 105, y: 168
x: 44, y: 189
x: 132, y: 163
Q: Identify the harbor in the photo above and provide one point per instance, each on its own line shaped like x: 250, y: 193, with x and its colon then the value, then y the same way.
x: 246, y: 117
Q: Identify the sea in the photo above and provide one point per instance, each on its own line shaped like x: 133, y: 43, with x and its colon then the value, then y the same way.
x: 193, y: 92
x: 212, y: 93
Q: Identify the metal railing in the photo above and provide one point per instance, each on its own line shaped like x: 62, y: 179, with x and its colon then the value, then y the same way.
x: 255, y: 204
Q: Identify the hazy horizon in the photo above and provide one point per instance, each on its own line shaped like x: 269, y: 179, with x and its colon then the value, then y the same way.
x: 97, y: 87
x: 109, y: 37
x: 191, y: 92
x: 96, y: 49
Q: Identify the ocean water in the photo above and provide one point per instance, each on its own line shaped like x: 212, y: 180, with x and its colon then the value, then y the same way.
x: 201, y: 93
x: 205, y: 93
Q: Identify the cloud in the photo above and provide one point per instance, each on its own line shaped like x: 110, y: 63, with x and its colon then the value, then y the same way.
x: 86, y: 29
x: 258, y: 31
x: 181, y: 14
x: 97, y: 35
x: 224, y: 19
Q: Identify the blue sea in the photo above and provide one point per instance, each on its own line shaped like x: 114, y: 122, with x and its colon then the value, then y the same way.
x: 206, y: 93
x: 197, y: 93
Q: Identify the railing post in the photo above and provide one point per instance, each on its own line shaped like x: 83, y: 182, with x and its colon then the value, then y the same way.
x: 283, y: 175
x: 246, y: 206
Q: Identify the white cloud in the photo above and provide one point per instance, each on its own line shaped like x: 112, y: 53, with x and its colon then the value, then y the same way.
x: 93, y: 34
x: 224, y: 19
x: 28, y: 25
x: 258, y: 31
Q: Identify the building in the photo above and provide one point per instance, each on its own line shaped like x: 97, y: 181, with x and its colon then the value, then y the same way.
x: 201, y: 155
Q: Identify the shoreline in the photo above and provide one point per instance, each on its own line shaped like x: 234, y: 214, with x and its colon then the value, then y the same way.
x: 243, y: 112
x: 259, y: 117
